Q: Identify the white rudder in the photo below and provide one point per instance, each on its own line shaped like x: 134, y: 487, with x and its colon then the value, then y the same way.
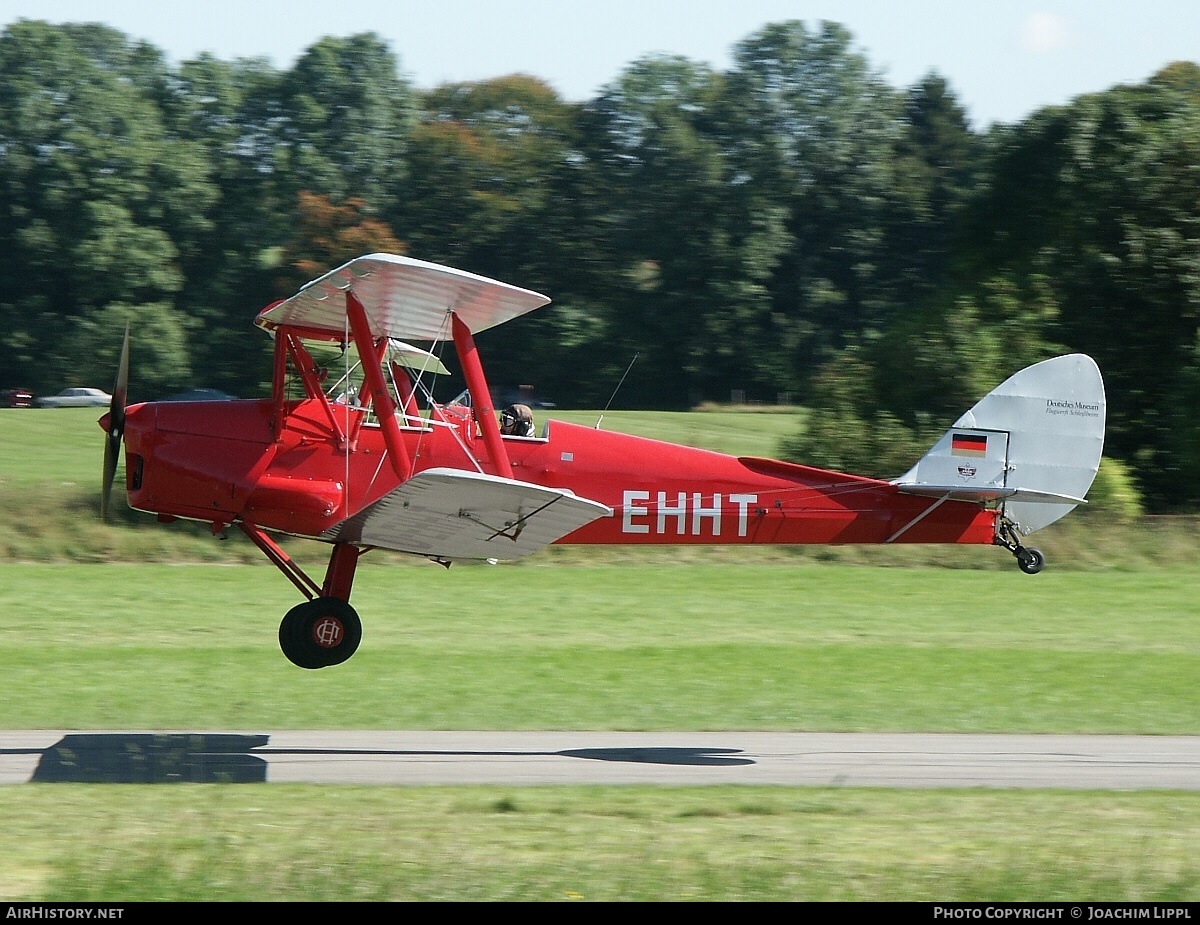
x: 1032, y: 445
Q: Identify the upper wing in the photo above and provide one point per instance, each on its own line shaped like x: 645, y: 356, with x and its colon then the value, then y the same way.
x: 403, y: 298
x: 455, y: 514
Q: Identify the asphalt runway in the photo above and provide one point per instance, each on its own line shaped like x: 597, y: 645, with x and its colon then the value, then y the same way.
x: 659, y: 758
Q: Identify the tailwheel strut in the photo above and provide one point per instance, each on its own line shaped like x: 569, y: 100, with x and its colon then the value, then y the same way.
x: 1029, y: 560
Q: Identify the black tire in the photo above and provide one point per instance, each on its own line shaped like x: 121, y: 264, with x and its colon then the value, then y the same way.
x: 289, y: 639
x: 1030, y: 561
x: 319, y: 633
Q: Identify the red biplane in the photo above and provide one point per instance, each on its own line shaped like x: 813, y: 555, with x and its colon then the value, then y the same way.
x: 364, y: 457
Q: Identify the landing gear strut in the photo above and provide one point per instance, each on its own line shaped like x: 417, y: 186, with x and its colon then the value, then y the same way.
x: 324, y: 630
x: 1029, y: 560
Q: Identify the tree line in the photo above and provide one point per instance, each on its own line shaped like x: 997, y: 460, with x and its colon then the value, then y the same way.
x: 792, y: 226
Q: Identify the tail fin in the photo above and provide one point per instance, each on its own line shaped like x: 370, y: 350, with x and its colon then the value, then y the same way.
x: 1032, y: 444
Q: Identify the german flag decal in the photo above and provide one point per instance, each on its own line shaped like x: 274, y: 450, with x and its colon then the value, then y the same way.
x: 968, y: 445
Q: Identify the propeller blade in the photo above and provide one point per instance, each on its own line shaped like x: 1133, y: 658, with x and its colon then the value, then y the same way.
x: 116, y: 425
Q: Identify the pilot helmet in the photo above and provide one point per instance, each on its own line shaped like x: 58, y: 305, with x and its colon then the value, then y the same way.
x: 517, y: 420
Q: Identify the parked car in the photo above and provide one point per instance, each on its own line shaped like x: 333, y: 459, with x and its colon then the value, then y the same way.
x: 16, y: 398
x: 75, y: 398
x: 200, y: 395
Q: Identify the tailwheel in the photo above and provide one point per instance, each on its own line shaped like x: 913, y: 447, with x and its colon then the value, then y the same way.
x: 318, y: 633
x: 1029, y: 560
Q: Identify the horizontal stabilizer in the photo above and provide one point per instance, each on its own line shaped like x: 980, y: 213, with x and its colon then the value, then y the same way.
x: 987, y: 495
x: 454, y: 514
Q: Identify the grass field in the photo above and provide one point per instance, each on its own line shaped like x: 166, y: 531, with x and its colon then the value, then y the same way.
x: 746, y: 432
x: 139, y: 626
x: 121, y: 843
x: 715, y: 645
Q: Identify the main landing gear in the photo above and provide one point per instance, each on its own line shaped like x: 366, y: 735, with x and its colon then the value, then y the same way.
x: 324, y: 630
x: 1029, y: 560
x: 318, y: 633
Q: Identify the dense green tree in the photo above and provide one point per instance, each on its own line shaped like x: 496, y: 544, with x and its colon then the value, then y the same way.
x: 1101, y: 199
x: 93, y: 193
x: 815, y: 129
x: 483, y: 161
x: 937, y: 165
x: 689, y: 248
x: 494, y: 188
x: 233, y: 111
x: 847, y: 429
x: 346, y: 114
x: 938, y: 360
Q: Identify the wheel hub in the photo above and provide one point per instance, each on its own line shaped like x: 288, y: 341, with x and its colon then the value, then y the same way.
x: 328, y: 632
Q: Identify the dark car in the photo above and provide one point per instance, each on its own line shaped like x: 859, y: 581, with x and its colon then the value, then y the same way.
x: 16, y: 398
x: 522, y: 396
x: 200, y: 395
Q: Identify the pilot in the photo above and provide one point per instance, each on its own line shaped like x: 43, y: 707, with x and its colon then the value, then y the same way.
x: 517, y: 421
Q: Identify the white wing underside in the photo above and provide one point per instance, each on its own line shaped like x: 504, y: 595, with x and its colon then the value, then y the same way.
x: 405, y: 299
x: 454, y: 514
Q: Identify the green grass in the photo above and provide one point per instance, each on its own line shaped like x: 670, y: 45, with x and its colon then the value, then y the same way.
x: 51, y: 446
x: 736, y: 432
x: 207, y: 842
x: 611, y: 646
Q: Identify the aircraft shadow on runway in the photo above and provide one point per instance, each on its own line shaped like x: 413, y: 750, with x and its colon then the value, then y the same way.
x: 150, y: 758
x: 203, y: 757
x: 700, y: 757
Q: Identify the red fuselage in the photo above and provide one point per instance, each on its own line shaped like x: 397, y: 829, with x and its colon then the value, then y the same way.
x: 222, y: 462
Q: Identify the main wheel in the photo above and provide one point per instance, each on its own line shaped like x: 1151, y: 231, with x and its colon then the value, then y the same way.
x: 319, y: 633
x: 1030, y: 561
